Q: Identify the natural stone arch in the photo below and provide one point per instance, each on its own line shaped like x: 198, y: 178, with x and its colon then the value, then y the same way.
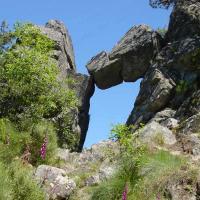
x: 141, y: 53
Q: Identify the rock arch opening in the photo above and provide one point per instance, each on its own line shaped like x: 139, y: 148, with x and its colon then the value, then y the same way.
x: 109, y: 107
x: 128, y: 61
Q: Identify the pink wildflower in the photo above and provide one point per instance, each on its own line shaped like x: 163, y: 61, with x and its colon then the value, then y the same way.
x: 158, y: 197
x: 125, y: 192
x: 43, y: 149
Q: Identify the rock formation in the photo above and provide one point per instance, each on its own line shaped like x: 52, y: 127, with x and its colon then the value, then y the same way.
x: 167, y: 105
x: 83, y: 84
x: 169, y: 66
x: 128, y: 60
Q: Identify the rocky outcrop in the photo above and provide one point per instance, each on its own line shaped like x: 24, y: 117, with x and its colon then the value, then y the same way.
x: 63, y: 52
x: 155, y: 93
x: 128, y: 60
x: 167, y: 106
x: 82, y: 84
x: 169, y: 67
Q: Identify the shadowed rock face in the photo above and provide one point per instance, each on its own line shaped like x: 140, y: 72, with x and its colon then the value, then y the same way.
x: 84, y: 88
x: 128, y: 60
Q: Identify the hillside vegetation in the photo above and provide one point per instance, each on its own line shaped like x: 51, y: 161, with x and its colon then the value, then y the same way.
x: 34, y: 109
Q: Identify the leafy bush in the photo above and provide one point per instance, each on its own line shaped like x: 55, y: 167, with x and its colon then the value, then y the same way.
x: 131, y: 150
x: 17, y: 183
x: 151, y: 178
x: 23, y: 185
x: 5, y: 189
x: 28, y: 77
x: 12, y: 142
x: 31, y: 89
x: 36, y: 106
x: 111, y: 190
x: 182, y: 87
x: 15, y: 144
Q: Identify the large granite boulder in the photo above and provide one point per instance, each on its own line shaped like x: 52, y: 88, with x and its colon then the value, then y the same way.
x: 55, y: 182
x: 155, y: 133
x: 128, y: 60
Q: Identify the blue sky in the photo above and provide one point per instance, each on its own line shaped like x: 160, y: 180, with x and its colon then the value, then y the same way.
x: 94, y: 26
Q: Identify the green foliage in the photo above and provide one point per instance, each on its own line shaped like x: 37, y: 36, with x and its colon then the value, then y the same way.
x: 123, y: 134
x: 37, y: 133
x: 131, y: 151
x: 13, y: 143
x: 28, y: 76
x: 5, y: 37
x: 111, y: 190
x: 24, y: 187
x: 35, y: 104
x: 182, y: 87
x: 17, y: 183
x: 30, y: 87
x: 5, y: 189
x: 157, y: 168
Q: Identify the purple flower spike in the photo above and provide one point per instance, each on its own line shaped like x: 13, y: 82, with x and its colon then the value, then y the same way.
x: 125, y: 192
x: 43, y: 149
x: 158, y: 197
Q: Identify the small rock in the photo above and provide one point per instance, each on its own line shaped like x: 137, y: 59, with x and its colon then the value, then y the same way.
x: 55, y: 182
x: 92, y: 180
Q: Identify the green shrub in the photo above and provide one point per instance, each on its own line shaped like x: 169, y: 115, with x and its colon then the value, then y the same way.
x: 36, y: 106
x: 17, y: 183
x: 23, y: 185
x: 111, y: 190
x: 131, y: 150
x: 31, y: 89
x: 149, y: 179
x: 182, y: 87
x: 14, y: 143
x: 5, y: 184
x: 157, y: 169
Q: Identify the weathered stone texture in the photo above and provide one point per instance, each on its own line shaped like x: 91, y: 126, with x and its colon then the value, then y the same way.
x: 128, y: 60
